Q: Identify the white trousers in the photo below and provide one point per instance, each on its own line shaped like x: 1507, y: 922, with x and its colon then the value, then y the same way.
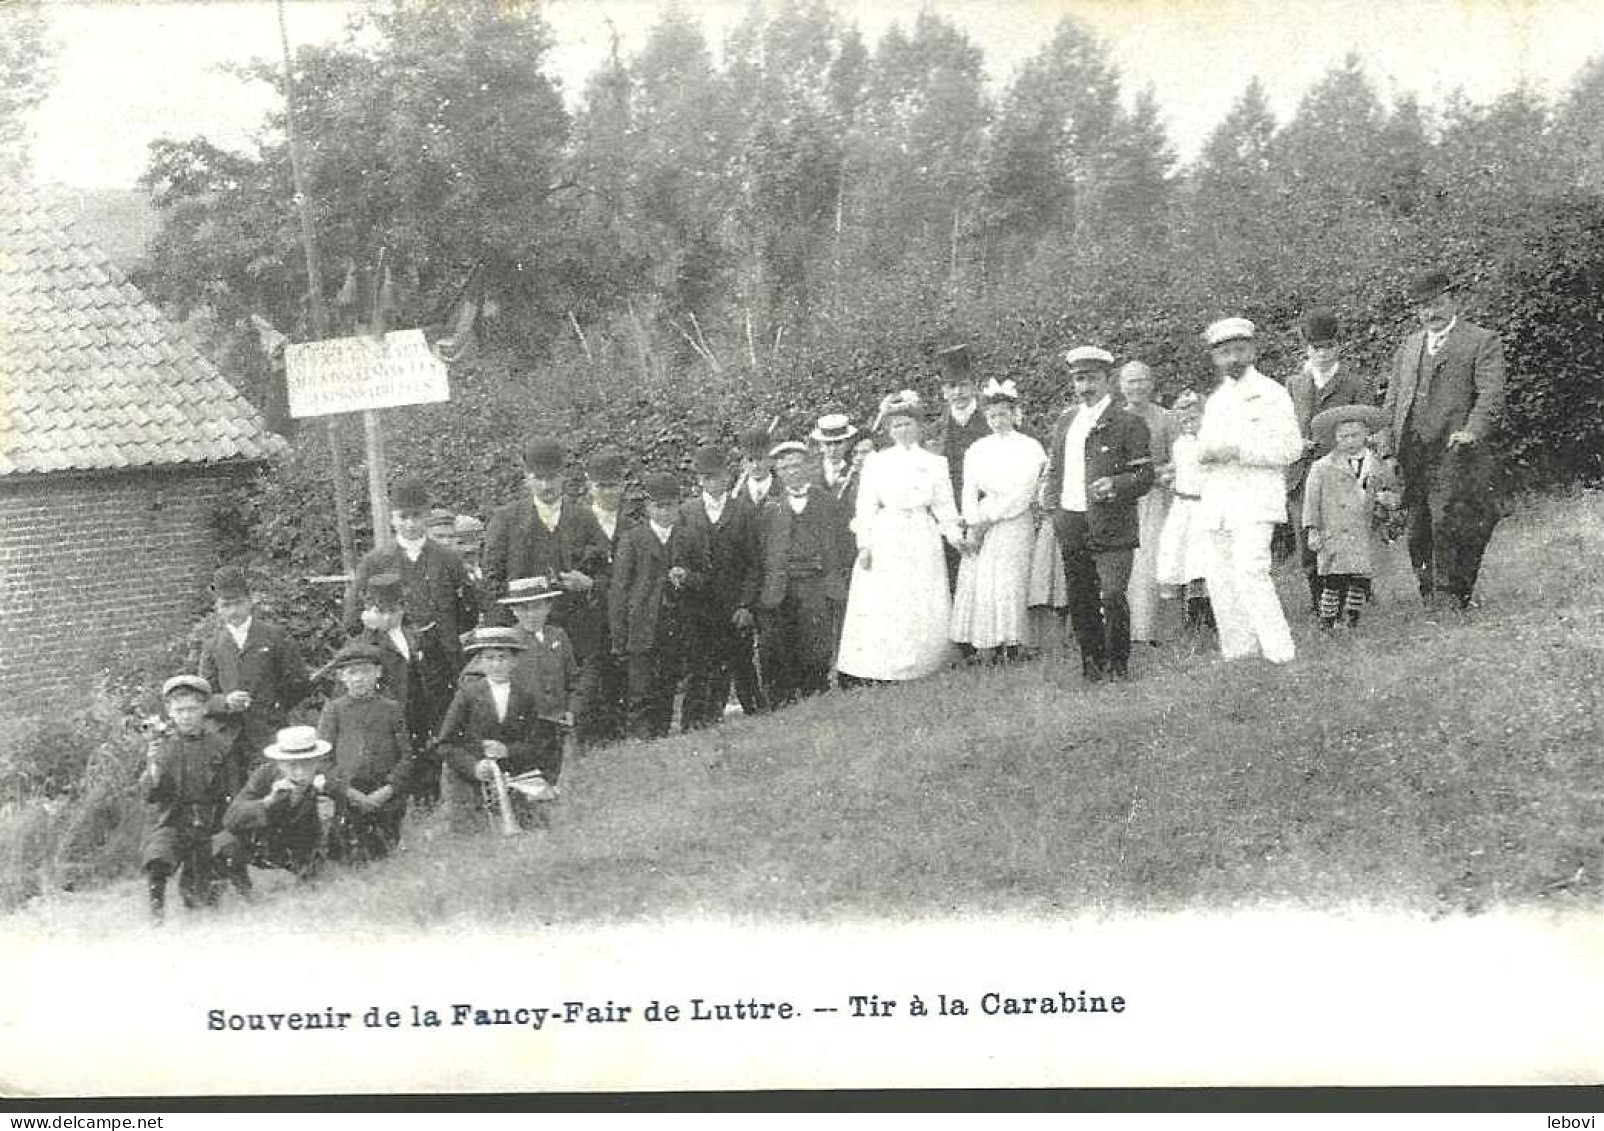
x: 1246, y: 607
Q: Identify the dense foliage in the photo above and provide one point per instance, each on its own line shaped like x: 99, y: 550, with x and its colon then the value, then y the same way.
x: 792, y: 219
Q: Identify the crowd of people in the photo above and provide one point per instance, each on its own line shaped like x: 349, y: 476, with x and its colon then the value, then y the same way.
x: 937, y: 535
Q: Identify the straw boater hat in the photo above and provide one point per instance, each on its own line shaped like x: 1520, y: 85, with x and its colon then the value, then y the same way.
x: 833, y: 427
x: 297, y: 744
x: 509, y: 639
x: 187, y: 683
x: 1324, y: 425
x: 523, y: 590
x: 1228, y: 330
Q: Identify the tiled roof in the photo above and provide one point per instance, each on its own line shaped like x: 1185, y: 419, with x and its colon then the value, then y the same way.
x: 92, y: 375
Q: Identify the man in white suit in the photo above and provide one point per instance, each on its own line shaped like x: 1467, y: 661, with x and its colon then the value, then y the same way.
x: 1248, y: 437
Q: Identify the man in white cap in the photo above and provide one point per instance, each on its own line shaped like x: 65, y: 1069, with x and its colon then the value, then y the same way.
x: 1248, y: 437
x: 833, y: 432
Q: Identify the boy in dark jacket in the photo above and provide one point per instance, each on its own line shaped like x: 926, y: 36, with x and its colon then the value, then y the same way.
x: 185, y: 788
x: 658, y: 578
x: 282, y: 816
x: 494, y: 727
x: 372, y: 751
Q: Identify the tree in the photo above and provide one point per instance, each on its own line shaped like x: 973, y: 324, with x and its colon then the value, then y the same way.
x: 26, y: 58
x: 1328, y: 153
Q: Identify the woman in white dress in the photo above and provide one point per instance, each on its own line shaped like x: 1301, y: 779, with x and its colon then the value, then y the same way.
x: 898, y: 605
x: 1001, y: 474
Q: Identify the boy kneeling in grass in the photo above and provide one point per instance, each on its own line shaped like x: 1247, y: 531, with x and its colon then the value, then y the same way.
x: 372, y: 753
x: 283, y: 815
x: 185, y: 788
x: 495, y: 724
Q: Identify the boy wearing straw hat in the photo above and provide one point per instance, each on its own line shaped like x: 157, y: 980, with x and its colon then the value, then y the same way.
x: 1339, y: 500
x: 185, y: 789
x: 547, y: 666
x: 493, y: 722
x: 282, y: 816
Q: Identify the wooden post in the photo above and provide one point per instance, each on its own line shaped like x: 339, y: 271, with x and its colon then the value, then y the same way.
x: 378, y: 477
x: 320, y: 316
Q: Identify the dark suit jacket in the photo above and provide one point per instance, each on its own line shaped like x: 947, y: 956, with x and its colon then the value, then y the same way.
x: 452, y: 599
x: 518, y: 545
x: 642, y: 604
x: 188, y: 795
x: 1466, y: 384
x: 270, y: 668
x: 422, y: 683
x: 1118, y: 448
x: 371, y: 745
x: 732, y: 551
x: 1347, y: 387
x: 471, y: 719
x: 774, y: 538
x: 953, y: 440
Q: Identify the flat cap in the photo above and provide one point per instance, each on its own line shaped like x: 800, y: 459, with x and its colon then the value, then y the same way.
x: 187, y: 683
x: 1228, y: 330
x: 1088, y: 355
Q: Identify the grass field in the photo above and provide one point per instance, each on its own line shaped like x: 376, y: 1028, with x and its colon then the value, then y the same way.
x: 1439, y: 765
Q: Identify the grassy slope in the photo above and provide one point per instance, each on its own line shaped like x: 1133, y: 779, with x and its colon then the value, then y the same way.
x: 1429, y: 766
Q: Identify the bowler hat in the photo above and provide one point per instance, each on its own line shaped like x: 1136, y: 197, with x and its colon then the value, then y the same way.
x: 187, y: 683
x: 410, y: 494
x: 1320, y: 327
x: 355, y: 652
x: 756, y: 442
x: 1324, y: 425
x: 296, y: 744
x: 543, y: 456
x: 229, y: 583
x: 710, y: 460
x: 508, y: 638
x: 954, y: 364
x: 384, y: 591
x: 605, y: 466
x: 522, y: 590
x: 1429, y: 284
x: 833, y: 427
x: 662, y: 488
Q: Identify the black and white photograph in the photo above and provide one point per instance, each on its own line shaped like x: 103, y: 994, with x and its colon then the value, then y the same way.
x: 645, y: 546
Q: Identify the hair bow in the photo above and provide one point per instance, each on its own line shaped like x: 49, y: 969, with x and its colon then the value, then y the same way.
x: 1004, y: 388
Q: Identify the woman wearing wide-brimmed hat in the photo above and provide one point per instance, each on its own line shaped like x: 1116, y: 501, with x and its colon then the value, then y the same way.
x: 898, y: 606
x: 1002, y: 472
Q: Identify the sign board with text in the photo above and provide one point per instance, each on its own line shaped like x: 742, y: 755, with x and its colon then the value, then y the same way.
x: 360, y: 373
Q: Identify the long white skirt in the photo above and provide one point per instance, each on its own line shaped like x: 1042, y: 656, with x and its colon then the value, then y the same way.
x: 1151, y: 511
x: 989, y: 608
x: 898, y: 609
x: 1185, y: 549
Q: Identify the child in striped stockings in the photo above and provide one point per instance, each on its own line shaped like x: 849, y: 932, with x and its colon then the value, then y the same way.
x: 1338, y: 504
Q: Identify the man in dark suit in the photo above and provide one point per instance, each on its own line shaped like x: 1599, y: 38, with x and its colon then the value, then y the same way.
x: 256, y: 672
x: 658, y: 579
x: 544, y: 534
x: 726, y: 619
x: 440, y: 600
x: 805, y: 563
x: 1444, y: 393
x: 1100, y: 465
x: 602, y: 686
x: 962, y: 423
x: 1323, y: 382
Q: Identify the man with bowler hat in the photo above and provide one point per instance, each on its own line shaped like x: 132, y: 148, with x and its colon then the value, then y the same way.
x: 727, y: 621
x: 962, y: 423
x: 544, y: 534
x: 658, y: 580
x: 602, y: 690
x: 1100, y: 464
x: 1444, y: 393
x: 1323, y: 382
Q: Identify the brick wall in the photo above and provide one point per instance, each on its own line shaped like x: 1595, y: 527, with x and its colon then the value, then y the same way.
x: 95, y: 567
